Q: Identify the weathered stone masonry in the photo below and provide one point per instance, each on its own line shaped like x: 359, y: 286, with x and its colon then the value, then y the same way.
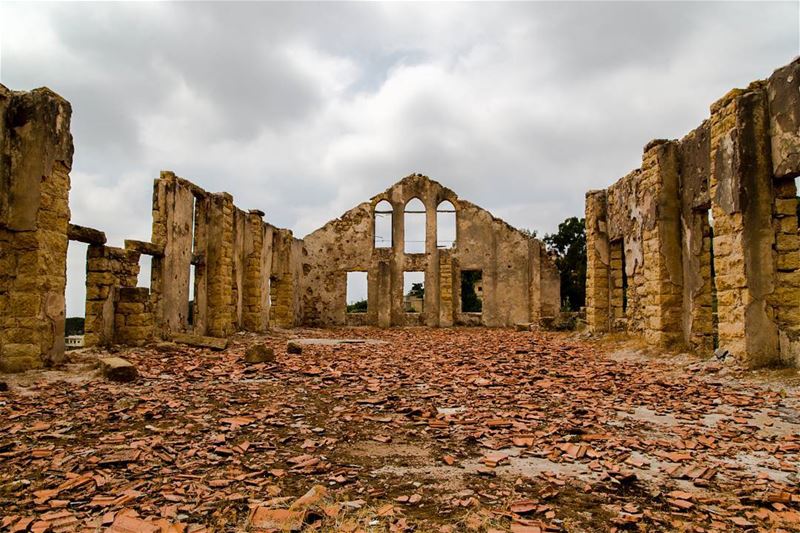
x: 247, y: 274
x: 35, y: 160
x: 521, y: 281
x: 733, y: 177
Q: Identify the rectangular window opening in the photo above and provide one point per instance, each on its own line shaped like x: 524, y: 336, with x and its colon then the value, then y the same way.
x: 471, y: 291
x: 356, y: 298
x: 192, y: 277
x: 383, y: 225
x: 75, y: 294
x: 413, y: 292
x: 145, y: 270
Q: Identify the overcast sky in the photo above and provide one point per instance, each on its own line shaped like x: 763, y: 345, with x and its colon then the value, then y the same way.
x: 304, y: 110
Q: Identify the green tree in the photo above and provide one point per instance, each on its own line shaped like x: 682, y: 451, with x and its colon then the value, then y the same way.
x: 470, y: 303
x: 357, y: 307
x: 73, y: 326
x: 417, y: 289
x: 569, y: 246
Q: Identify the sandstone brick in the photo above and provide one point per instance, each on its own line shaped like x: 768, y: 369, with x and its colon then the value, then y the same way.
x: 259, y: 353
x: 118, y: 369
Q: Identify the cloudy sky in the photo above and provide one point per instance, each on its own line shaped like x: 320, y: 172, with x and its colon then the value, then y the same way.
x: 304, y: 110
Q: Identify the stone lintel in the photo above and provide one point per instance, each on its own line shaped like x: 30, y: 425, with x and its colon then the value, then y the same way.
x: 85, y: 234
x: 146, y: 248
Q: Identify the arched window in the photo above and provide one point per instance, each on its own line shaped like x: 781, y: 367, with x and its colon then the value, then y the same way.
x: 414, y: 224
x: 383, y: 225
x: 445, y: 225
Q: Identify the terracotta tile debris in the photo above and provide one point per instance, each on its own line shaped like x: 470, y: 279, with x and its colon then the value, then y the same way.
x: 401, y: 436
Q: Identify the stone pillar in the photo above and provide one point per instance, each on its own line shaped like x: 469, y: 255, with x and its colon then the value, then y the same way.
x: 446, y: 288
x: 741, y: 192
x: 256, y: 275
x: 35, y: 160
x: 173, y: 219
x: 783, y: 91
x: 383, y: 294
x: 661, y: 242
x: 219, y: 266
x: 698, y: 322
x: 597, y: 262
x: 282, y: 311
x: 535, y: 251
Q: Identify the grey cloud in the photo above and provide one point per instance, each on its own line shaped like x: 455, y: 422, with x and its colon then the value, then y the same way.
x: 519, y: 107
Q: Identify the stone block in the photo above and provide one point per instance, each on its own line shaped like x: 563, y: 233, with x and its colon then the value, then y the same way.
x: 130, y: 308
x: 786, y: 207
x: 214, y: 343
x: 24, y: 304
x: 294, y: 347
x: 259, y: 353
x: 134, y: 294
x: 786, y: 242
x: 84, y: 234
x: 118, y: 369
x: 143, y: 319
x: 14, y: 365
x: 146, y: 248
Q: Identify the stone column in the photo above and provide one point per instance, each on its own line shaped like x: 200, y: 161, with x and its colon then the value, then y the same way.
x: 742, y: 194
x: 783, y: 91
x: 597, y: 262
x: 446, y: 288
x: 255, y: 275
x: 35, y: 160
x: 173, y: 219
x: 661, y: 242
x: 219, y: 266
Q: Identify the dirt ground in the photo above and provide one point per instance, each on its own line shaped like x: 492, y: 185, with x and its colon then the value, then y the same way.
x: 424, y: 430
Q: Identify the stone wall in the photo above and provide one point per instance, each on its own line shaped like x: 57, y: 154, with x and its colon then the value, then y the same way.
x: 35, y: 161
x: 521, y: 283
x: 238, y: 260
x: 133, y: 317
x: 108, y: 269
x: 734, y: 178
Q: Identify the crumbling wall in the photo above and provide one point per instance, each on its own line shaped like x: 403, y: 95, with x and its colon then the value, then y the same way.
x: 783, y: 100
x: 35, y: 161
x: 238, y: 267
x: 107, y: 270
x: 737, y: 169
x: 512, y: 282
x: 133, y: 317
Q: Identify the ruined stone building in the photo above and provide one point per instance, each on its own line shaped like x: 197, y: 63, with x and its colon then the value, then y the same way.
x: 246, y: 274
x: 518, y: 280
x: 699, y: 247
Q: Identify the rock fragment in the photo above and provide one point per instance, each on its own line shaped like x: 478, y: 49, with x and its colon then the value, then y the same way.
x: 294, y: 347
x: 118, y: 369
x: 259, y: 353
x: 214, y: 343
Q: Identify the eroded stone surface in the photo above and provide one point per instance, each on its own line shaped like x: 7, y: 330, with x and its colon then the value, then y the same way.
x: 118, y: 369
x: 649, y: 235
x: 259, y: 353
